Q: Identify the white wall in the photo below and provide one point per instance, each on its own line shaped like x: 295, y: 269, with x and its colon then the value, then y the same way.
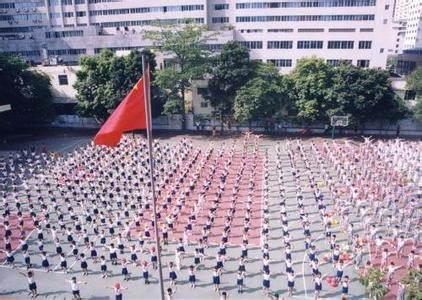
x: 61, y: 93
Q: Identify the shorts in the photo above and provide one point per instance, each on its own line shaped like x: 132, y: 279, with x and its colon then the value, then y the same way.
x: 32, y: 286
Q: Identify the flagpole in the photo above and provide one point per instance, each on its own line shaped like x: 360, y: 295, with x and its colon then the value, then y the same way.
x: 151, y: 171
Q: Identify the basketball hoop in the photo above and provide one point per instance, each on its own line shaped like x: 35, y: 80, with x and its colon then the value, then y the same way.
x: 339, y: 121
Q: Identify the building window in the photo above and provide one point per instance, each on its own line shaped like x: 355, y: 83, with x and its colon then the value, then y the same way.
x: 79, y: 1
x: 67, y: 2
x: 63, y: 80
x: 340, y: 44
x: 66, y: 52
x: 381, y: 50
x: 204, y: 104
x: 309, y: 44
x: 304, y: 18
x: 365, y: 44
x: 314, y: 3
x: 280, y: 62
x: 220, y: 20
x: 387, y: 7
x: 252, y: 44
x: 250, y: 30
x: 409, y: 95
x: 363, y: 63
x: 81, y: 13
x: 341, y: 30
x: 279, y: 44
x: 310, y: 30
x: 280, y: 30
x: 367, y: 30
x: 67, y: 14
x: 221, y: 6
x: 63, y: 34
x: 338, y: 62
x: 202, y: 91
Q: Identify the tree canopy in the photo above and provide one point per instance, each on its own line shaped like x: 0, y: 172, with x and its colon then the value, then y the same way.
x: 104, y: 81
x: 185, y: 47
x: 414, y: 82
x: 364, y: 95
x: 232, y: 71
x: 311, y: 83
x: 321, y: 91
x: 262, y: 97
x: 27, y: 91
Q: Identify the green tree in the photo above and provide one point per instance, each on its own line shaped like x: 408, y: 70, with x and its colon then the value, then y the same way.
x: 187, y: 47
x: 373, y: 283
x: 262, y: 96
x: 27, y: 91
x: 414, y: 82
x: 311, y: 84
x: 104, y: 81
x: 364, y: 95
x: 231, y: 72
x: 417, y: 110
x: 413, y: 282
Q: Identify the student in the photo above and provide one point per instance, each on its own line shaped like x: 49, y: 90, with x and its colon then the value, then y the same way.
x: 345, y: 287
x: 216, y: 279
x: 84, y: 264
x: 290, y: 283
x: 318, y: 285
x: 10, y: 259
x: 240, y: 283
x: 31, y: 283
x: 145, y: 273
x: 197, y: 258
x: 74, y: 284
x: 44, y: 262
x: 113, y: 254
x: 192, y: 278
x: 103, y: 266
x: 118, y: 291
x: 170, y: 293
x: 125, y: 272
x: 172, y: 274
x: 27, y: 259
x: 63, y: 262
x: 266, y: 282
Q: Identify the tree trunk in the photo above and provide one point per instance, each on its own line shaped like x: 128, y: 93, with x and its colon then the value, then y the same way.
x: 182, y: 91
x: 221, y: 122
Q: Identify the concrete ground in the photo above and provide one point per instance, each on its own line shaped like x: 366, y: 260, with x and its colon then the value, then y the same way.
x: 52, y: 285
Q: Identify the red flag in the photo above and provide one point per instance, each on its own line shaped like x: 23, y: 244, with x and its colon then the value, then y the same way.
x: 129, y: 115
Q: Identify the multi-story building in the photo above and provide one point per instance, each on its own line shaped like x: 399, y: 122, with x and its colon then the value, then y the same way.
x: 409, y: 14
x: 279, y: 32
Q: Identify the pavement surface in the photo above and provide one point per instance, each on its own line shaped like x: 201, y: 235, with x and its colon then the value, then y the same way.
x: 52, y: 285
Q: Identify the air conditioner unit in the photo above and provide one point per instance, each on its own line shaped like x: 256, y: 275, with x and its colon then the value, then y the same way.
x: 25, y: 10
x: 34, y: 9
x: 18, y: 10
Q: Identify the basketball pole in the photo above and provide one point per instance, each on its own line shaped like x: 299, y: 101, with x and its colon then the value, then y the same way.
x: 332, y: 132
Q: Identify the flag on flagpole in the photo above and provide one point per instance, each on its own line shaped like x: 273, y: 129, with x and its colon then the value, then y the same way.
x: 129, y: 115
